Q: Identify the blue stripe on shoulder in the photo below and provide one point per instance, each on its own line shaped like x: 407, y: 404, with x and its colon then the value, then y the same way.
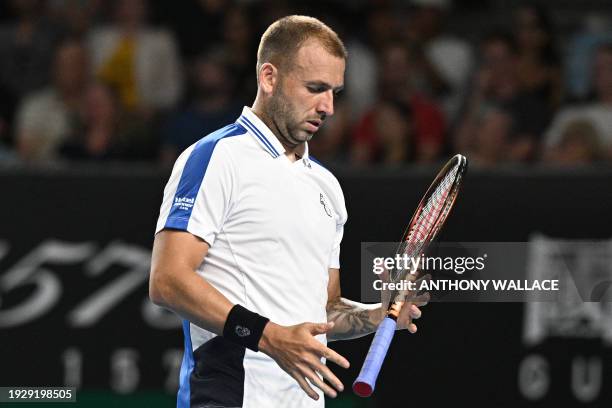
x: 193, y: 175
x: 183, y: 399
x: 318, y: 162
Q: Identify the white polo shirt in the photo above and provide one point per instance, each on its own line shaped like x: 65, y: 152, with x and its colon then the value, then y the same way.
x: 274, y: 228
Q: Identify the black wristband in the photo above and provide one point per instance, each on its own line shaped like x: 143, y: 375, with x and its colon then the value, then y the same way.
x: 244, y: 327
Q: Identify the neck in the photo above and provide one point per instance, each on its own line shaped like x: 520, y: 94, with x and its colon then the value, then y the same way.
x: 292, y: 151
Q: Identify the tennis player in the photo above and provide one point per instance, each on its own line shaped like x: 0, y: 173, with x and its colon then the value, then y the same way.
x: 247, y: 243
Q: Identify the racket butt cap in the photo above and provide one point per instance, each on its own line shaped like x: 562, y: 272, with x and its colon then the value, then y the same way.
x: 362, y: 389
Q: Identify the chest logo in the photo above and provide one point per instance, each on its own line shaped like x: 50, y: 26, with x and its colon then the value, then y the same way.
x: 325, y: 205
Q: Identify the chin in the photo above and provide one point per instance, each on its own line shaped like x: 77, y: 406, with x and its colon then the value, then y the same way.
x: 307, y: 137
x: 302, y: 136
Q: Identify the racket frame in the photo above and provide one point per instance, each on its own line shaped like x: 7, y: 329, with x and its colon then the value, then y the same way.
x: 365, y: 383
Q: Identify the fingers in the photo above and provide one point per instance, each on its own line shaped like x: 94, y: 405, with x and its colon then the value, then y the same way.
x: 318, y: 382
x: 414, y: 311
x: 308, y: 370
x: 426, y: 277
x: 412, y: 296
x: 422, y: 299
x: 312, y: 375
x: 328, y: 375
x: 331, y: 355
x: 305, y: 386
x: 320, y: 328
x: 408, y: 312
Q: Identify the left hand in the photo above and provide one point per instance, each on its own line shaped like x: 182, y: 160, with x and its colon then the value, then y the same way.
x: 410, y: 309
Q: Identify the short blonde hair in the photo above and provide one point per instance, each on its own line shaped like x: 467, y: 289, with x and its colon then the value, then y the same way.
x: 282, y: 39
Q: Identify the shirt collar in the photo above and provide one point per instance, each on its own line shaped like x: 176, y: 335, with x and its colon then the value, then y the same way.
x: 263, y: 134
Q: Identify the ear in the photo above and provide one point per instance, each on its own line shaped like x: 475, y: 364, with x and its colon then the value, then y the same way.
x: 268, y: 77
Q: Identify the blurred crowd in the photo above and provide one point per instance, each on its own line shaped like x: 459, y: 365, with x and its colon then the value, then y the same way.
x: 131, y: 80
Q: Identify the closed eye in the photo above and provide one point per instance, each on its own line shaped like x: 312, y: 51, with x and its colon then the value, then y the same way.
x: 317, y: 89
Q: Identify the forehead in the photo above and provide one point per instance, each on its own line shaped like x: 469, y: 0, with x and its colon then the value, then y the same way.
x: 313, y: 62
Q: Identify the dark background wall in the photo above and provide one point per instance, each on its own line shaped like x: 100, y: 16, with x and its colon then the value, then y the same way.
x: 74, y: 253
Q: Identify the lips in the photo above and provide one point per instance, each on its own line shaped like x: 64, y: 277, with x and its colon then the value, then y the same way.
x: 314, y: 124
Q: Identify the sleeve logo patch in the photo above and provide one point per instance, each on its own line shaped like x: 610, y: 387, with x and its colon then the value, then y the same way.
x: 184, y: 203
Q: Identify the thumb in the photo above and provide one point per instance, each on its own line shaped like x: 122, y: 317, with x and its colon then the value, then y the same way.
x: 321, y: 328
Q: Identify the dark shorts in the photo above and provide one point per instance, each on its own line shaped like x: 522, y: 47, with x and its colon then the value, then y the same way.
x: 217, y: 378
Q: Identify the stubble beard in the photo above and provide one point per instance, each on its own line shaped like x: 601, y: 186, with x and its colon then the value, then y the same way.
x: 280, y: 111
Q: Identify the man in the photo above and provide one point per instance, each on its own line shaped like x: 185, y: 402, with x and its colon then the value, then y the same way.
x: 45, y: 118
x: 250, y: 226
x: 498, y: 100
x: 445, y: 60
x: 210, y: 108
x: 597, y: 112
x: 404, y: 125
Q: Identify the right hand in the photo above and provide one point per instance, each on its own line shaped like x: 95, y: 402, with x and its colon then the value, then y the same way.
x: 295, y: 350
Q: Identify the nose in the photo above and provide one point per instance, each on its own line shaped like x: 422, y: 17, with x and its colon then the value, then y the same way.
x: 325, y: 105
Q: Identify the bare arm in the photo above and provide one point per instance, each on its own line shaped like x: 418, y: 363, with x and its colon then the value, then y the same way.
x: 353, y: 319
x: 174, y: 284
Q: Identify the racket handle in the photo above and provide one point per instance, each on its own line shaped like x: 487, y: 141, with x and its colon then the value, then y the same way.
x: 365, y: 382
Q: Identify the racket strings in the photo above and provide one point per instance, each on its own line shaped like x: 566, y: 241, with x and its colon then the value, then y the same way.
x: 429, y: 214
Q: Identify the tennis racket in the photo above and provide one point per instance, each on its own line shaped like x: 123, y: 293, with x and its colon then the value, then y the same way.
x: 426, y: 222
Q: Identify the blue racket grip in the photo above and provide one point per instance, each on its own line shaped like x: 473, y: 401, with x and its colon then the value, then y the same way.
x: 365, y: 382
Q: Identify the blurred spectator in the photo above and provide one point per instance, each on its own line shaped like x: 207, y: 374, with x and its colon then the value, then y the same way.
x: 596, y: 30
x: 196, y: 23
x: 103, y: 132
x: 362, y: 65
x: 74, y: 17
x: 444, y: 61
x: 539, y: 69
x: 405, y: 69
x: 140, y: 63
x: 27, y: 45
x: 268, y: 11
x: 598, y: 112
x: 211, y: 107
x: 404, y: 125
x: 497, y: 85
x: 45, y: 118
x: 579, y: 144
x: 492, y: 139
x: 26, y: 49
x: 240, y: 49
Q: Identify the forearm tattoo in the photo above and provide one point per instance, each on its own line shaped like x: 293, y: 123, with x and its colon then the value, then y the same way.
x: 351, y: 319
